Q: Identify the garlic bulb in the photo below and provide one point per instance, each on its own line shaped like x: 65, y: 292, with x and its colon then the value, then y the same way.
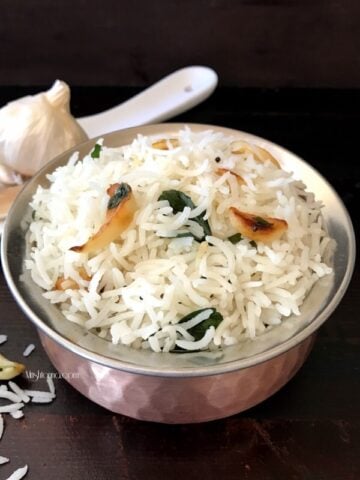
x: 8, y: 176
x: 34, y: 129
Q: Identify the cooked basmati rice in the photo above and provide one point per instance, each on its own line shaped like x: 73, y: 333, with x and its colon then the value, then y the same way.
x: 19, y: 392
x: 10, y: 396
x: 12, y: 407
x: 17, y: 415
x: 20, y: 397
x: 40, y: 396
x: 144, y: 283
x: 43, y: 399
x: 51, y: 385
x: 28, y: 350
x: 19, y: 473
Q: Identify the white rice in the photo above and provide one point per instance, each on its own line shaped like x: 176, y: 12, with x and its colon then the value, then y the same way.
x: 10, y: 396
x: 40, y: 396
x: 13, y: 407
x: 43, y: 399
x: 28, y: 350
x: 51, y: 385
x: 20, y: 397
x: 143, y: 284
x: 17, y: 415
x: 19, y: 392
x: 19, y: 473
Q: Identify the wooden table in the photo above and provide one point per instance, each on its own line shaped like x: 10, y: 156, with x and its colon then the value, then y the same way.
x: 310, y: 430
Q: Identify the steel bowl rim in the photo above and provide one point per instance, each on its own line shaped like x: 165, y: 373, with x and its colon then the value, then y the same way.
x: 228, y: 367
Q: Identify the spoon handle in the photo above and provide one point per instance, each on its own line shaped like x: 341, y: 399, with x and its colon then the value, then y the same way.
x: 171, y: 96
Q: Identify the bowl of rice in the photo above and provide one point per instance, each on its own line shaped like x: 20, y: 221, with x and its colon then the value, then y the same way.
x: 178, y: 273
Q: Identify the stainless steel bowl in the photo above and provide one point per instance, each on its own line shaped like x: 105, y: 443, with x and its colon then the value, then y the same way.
x: 180, y: 388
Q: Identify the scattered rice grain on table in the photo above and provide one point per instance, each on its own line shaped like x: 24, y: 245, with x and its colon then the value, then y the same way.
x: 28, y: 350
x: 19, y: 473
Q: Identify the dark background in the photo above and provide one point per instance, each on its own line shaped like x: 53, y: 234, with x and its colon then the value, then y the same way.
x: 250, y: 43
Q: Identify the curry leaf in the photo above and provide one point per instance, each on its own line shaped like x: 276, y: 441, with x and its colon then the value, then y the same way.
x: 178, y: 201
x: 96, y: 151
x: 203, y: 223
x: 199, y: 330
x: 260, y: 222
x: 235, y: 238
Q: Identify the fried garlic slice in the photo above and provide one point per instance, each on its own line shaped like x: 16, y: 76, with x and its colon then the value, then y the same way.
x: 9, y: 369
x: 261, y: 155
x: 120, y: 212
x: 63, y: 283
x: 259, y: 229
x: 165, y: 143
x: 222, y: 171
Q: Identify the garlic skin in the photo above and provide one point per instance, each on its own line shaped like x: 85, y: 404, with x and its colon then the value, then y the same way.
x: 9, y: 177
x: 36, y: 128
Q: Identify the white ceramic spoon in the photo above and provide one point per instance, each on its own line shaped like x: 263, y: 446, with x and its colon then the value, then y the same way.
x: 171, y: 96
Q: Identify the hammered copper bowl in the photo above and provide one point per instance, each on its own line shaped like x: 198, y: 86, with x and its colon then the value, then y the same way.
x: 180, y: 388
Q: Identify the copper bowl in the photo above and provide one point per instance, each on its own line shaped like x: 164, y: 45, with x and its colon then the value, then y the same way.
x: 180, y: 388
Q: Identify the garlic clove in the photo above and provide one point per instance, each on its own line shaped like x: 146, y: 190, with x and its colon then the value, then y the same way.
x: 166, y: 144
x: 118, y: 218
x: 7, y: 197
x: 9, y: 369
x: 260, y: 229
x: 8, y: 176
x: 34, y: 129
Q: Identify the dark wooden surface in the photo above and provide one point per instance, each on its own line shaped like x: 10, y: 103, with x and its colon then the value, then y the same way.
x: 251, y: 43
x: 310, y: 430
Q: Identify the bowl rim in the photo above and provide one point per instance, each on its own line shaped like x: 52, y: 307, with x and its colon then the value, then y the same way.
x: 222, y: 368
